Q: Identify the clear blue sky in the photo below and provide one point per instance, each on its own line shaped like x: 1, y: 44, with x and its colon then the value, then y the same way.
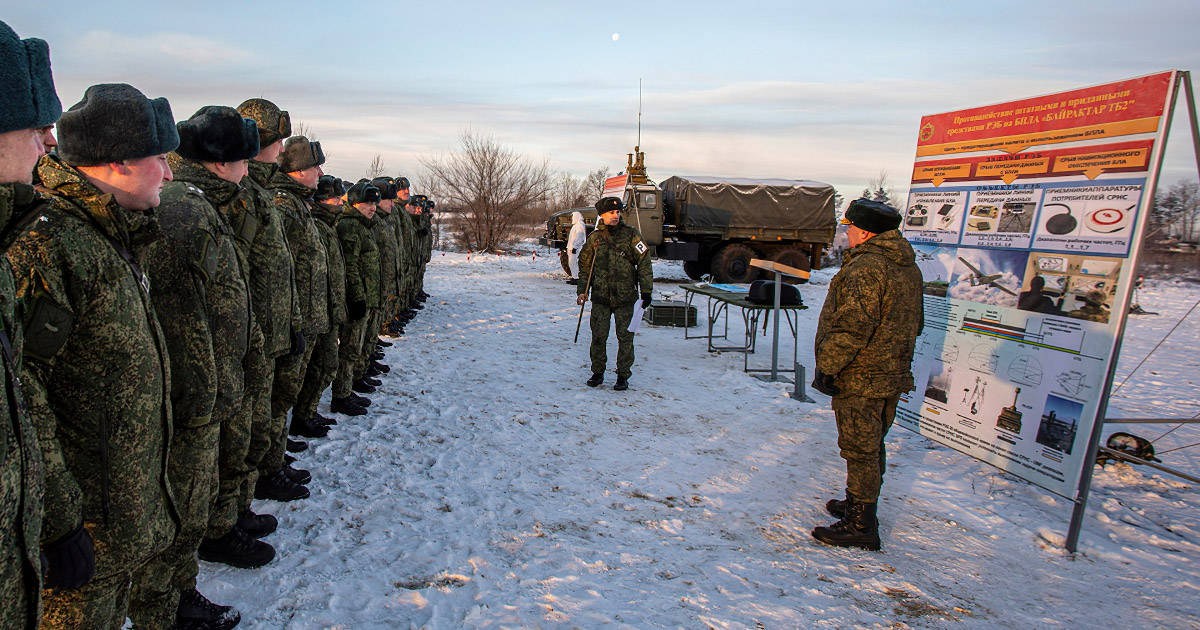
x: 831, y: 91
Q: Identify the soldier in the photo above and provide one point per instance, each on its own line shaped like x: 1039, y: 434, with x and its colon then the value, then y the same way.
x: 96, y: 376
x: 294, y: 185
x: 864, y: 348
x: 406, y: 237
x: 199, y: 291
x: 361, y: 256
x: 276, y: 307
x: 389, y: 254
x: 29, y: 107
x: 424, y: 243
x: 617, y: 262
x: 1092, y: 309
x: 324, y: 362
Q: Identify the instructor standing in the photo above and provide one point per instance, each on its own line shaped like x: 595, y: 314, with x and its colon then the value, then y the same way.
x: 617, y: 262
x: 864, y: 349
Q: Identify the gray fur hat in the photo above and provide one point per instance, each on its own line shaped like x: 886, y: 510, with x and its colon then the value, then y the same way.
x: 299, y: 154
x: 113, y: 122
x: 28, y: 99
x: 362, y: 192
x: 217, y: 134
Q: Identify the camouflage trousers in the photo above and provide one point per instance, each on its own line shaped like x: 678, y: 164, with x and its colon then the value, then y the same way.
x: 289, y: 378
x: 18, y: 585
x: 599, y: 321
x: 370, y: 336
x: 862, y: 425
x: 322, y: 366
x: 101, y: 604
x: 192, y: 470
x: 260, y: 379
x: 350, y: 343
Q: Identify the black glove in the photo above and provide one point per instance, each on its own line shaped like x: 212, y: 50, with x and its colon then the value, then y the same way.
x: 358, y: 309
x: 298, y: 344
x: 645, y: 301
x: 823, y: 383
x: 70, y: 561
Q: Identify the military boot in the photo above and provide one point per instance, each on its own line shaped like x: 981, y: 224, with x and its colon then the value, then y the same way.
x: 377, y: 355
x: 305, y: 427
x: 382, y: 368
x: 346, y: 406
x: 837, y: 507
x: 236, y: 549
x: 361, y: 401
x: 195, y: 612
x: 298, y: 475
x: 622, y: 383
x: 372, y: 381
x: 296, y: 446
x: 596, y: 379
x: 372, y: 371
x: 362, y: 387
x: 279, y: 487
x: 256, y: 525
x: 859, y: 528
x: 324, y: 420
x: 383, y: 344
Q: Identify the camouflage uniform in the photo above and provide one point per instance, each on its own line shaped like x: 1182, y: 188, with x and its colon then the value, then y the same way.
x: 389, y: 265
x: 361, y: 256
x: 312, y: 292
x: 276, y: 309
x: 97, y: 382
x: 21, y: 476
x: 199, y: 291
x: 424, y: 247
x: 1090, y: 312
x: 865, y: 340
x: 323, y: 364
x: 622, y: 269
x: 406, y: 239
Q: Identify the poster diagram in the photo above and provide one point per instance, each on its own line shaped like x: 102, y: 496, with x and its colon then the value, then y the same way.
x: 1023, y: 216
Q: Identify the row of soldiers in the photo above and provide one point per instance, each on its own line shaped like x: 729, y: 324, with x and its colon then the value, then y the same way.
x: 173, y: 293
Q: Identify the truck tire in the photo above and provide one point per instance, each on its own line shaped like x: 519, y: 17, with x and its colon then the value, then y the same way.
x: 732, y: 264
x: 695, y: 269
x: 793, y: 257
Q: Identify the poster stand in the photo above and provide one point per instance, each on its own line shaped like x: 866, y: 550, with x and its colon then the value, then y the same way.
x: 1182, y: 78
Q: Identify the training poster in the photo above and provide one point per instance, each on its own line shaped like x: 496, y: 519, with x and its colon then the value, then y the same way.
x: 1025, y: 217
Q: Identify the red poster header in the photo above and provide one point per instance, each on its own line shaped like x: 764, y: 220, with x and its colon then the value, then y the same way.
x: 1095, y: 113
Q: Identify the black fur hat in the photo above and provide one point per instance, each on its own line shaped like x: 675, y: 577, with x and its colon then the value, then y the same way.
x: 872, y: 216
x: 28, y: 99
x: 217, y: 134
x: 387, y: 187
x: 299, y: 154
x: 608, y: 204
x: 329, y: 187
x: 402, y: 183
x: 114, y: 122
x: 362, y: 192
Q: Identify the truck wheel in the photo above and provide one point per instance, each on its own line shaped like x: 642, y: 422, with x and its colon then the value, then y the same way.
x: 732, y: 264
x: 793, y: 257
x: 695, y: 269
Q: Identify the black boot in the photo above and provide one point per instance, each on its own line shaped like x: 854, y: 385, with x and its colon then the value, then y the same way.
x: 195, y: 612
x: 383, y: 344
x: 346, y: 406
x: 257, y: 525
x: 382, y: 368
x: 622, y: 383
x: 372, y: 371
x: 296, y: 446
x: 859, y: 528
x: 237, y: 550
x: 298, y: 475
x: 362, y: 387
x: 372, y: 381
x: 361, y: 401
x: 837, y: 507
x: 596, y: 379
x: 377, y: 355
x: 324, y: 420
x: 289, y: 459
x: 307, y: 428
x: 279, y: 487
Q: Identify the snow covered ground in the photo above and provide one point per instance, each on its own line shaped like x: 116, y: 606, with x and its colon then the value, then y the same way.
x: 488, y: 488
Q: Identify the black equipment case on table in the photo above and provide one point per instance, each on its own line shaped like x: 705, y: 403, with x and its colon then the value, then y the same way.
x: 670, y: 313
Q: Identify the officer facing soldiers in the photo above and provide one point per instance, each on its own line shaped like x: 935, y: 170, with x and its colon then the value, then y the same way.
x: 361, y: 256
x: 617, y: 262
x: 864, y: 348
x: 29, y: 107
x: 96, y: 373
x: 199, y: 291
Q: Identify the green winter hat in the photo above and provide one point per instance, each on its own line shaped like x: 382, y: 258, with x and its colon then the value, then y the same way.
x: 217, y: 134
x: 113, y: 122
x: 299, y: 154
x: 273, y: 123
x: 28, y: 100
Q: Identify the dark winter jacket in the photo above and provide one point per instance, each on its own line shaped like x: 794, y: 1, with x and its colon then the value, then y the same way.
x: 361, y: 255
x: 622, y: 267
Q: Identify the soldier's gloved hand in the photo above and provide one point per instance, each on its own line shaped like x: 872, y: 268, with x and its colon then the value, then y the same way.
x: 645, y: 301
x: 823, y: 383
x: 358, y: 309
x: 581, y: 299
x: 298, y: 343
x: 70, y: 561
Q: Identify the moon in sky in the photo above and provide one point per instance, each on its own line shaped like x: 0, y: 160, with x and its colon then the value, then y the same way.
x: 616, y: 36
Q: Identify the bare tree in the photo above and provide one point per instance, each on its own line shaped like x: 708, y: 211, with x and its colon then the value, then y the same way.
x: 375, y: 168
x: 1177, y: 210
x: 302, y: 129
x: 595, y: 184
x: 491, y: 186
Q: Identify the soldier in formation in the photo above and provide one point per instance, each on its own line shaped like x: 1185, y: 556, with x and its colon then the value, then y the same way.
x: 864, y: 348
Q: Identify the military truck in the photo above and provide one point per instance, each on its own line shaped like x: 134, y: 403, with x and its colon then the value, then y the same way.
x: 717, y: 225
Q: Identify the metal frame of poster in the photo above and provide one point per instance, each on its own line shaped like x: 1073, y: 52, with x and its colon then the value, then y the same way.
x: 1027, y: 218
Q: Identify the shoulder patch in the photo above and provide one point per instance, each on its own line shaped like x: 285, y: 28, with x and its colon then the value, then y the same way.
x: 640, y: 247
x: 192, y: 190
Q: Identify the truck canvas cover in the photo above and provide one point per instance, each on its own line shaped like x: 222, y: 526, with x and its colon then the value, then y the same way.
x: 716, y: 202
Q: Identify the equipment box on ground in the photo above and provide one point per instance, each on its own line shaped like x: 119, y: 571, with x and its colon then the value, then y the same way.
x: 670, y: 313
